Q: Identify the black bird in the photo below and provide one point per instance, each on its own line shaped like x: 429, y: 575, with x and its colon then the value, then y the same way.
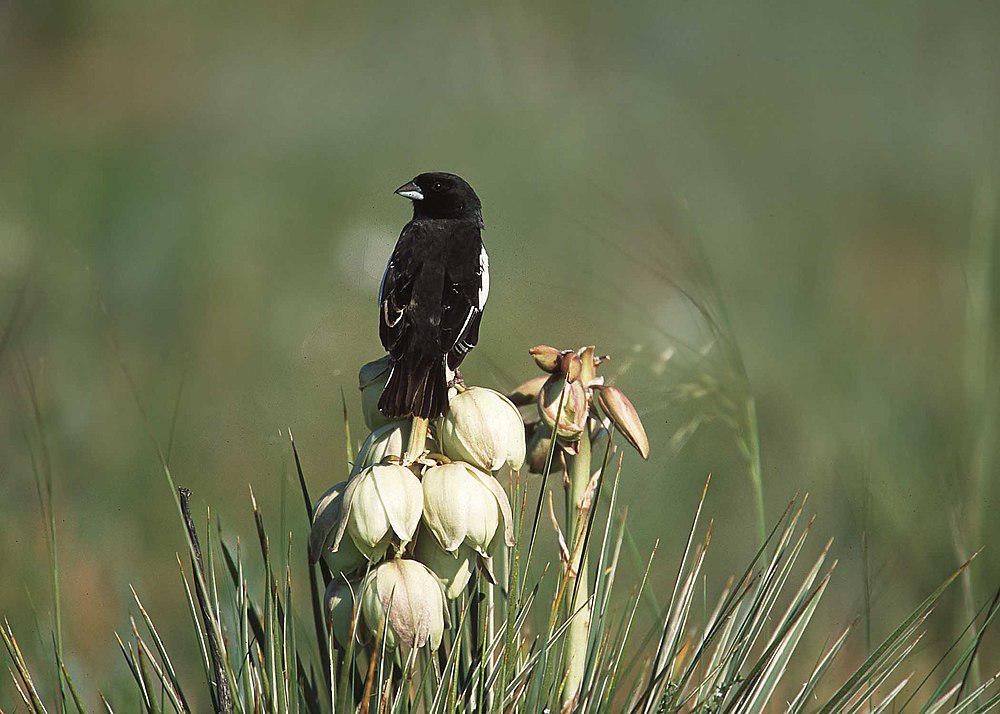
x: 432, y: 294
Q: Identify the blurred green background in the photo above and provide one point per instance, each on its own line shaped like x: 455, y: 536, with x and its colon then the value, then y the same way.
x: 219, y: 177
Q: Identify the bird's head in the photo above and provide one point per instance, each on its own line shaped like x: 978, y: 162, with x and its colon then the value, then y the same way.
x: 442, y: 195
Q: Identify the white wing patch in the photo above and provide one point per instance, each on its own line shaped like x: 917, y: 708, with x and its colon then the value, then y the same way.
x: 468, y: 318
x: 389, y: 322
x: 484, y: 277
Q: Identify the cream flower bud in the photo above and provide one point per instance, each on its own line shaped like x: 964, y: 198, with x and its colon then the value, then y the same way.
x: 339, y: 601
x: 411, y: 596
x: 464, y: 505
x: 588, y: 364
x: 547, y: 358
x: 617, y: 407
x: 484, y: 428
x: 574, y: 407
x: 537, y: 451
x: 453, y: 569
x: 326, y: 517
x: 381, y: 501
x: 371, y: 382
x: 387, y: 440
x: 569, y: 365
x: 527, y: 392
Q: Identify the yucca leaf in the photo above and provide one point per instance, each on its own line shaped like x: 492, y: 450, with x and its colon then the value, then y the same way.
x: 889, y: 644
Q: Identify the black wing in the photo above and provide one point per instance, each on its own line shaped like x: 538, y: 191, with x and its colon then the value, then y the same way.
x: 395, y: 293
x: 433, y: 291
x: 468, y: 282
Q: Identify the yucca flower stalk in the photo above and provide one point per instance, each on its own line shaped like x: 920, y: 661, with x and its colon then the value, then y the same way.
x: 377, y: 656
x: 572, y: 401
x: 370, y: 521
x: 425, y: 607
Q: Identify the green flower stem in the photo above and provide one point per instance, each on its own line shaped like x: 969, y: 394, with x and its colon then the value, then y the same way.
x: 579, y: 628
x: 490, y: 633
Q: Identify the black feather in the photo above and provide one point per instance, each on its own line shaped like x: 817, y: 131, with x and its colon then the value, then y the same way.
x: 432, y: 295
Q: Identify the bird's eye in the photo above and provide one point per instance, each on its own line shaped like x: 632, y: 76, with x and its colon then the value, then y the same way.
x: 437, y: 185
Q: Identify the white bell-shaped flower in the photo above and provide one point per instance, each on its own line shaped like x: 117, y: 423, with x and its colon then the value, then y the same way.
x: 383, y: 501
x: 453, y: 569
x: 326, y: 518
x: 484, y: 428
x: 407, y: 595
x: 387, y: 440
x: 465, y: 505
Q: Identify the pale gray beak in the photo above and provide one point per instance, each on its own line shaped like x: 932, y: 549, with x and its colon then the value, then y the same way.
x: 411, y: 191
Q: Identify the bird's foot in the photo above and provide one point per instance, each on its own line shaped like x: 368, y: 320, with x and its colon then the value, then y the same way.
x: 458, y: 382
x: 425, y: 458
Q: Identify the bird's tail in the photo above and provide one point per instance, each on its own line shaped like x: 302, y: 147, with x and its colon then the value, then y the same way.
x: 416, y: 386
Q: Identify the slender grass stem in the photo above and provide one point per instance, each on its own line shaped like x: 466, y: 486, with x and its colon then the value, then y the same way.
x: 752, y: 449
x: 541, y: 486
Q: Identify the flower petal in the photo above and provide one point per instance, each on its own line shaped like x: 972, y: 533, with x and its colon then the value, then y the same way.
x: 527, y: 392
x: 387, y: 440
x: 619, y: 409
x: 453, y: 569
x: 547, y: 358
x: 326, y: 517
x: 445, y: 509
x: 401, y: 497
x: 501, y: 496
x: 346, y: 503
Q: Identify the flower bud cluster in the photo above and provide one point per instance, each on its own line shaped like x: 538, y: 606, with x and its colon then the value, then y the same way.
x: 400, y: 539
x: 566, y: 399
